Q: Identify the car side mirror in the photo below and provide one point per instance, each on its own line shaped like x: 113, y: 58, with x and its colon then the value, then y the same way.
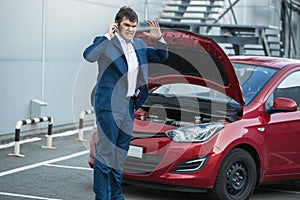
x: 283, y: 105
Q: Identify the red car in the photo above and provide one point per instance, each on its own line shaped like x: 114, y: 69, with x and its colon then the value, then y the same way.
x: 215, y: 124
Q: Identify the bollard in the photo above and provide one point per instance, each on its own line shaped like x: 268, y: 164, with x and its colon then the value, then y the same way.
x: 81, y: 118
x: 31, y: 121
x: 49, y: 135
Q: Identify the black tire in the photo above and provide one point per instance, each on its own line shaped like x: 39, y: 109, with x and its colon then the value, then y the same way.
x: 236, y: 178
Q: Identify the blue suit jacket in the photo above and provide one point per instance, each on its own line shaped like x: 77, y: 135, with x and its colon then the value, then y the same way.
x: 112, y: 84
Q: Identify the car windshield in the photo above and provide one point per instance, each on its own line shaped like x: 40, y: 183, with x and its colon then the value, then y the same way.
x: 252, y: 79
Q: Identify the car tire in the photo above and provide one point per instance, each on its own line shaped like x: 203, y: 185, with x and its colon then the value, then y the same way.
x: 236, y: 178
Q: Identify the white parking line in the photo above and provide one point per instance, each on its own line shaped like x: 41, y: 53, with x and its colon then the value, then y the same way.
x: 3, y: 146
x: 26, y: 196
x: 72, y: 132
x: 43, y: 163
x: 69, y: 167
x: 35, y: 139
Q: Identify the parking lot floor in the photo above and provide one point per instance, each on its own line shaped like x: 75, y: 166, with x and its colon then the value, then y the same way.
x: 63, y: 173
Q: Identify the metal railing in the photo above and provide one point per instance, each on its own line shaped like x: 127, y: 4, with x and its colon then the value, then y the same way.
x: 32, y: 121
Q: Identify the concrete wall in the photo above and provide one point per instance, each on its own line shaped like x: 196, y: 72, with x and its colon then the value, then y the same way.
x: 41, y: 55
x: 41, y: 45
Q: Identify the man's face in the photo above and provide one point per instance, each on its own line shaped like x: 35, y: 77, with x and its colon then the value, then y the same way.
x: 127, y: 29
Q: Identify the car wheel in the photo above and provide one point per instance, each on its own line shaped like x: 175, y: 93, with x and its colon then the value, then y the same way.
x: 236, y: 178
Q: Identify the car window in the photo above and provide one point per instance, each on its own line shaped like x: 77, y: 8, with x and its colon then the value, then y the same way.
x: 253, y: 79
x: 288, y: 88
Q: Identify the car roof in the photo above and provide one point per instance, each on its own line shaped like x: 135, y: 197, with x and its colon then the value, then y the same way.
x: 274, y: 62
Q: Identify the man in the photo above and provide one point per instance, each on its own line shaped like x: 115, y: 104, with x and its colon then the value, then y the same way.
x: 121, y: 89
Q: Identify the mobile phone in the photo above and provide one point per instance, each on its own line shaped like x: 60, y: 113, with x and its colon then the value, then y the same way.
x: 115, y: 29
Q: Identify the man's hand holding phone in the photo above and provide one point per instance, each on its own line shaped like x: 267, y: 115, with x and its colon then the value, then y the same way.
x: 112, y: 30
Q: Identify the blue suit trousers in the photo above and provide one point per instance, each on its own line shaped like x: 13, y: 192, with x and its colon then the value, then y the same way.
x: 114, y: 132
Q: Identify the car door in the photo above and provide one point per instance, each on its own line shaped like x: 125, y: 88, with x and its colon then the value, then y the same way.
x: 282, y: 133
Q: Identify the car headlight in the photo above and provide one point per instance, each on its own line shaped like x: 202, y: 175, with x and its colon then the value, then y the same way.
x: 199, y: 133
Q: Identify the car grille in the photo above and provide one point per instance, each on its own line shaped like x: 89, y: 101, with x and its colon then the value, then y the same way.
x: 144, y: 165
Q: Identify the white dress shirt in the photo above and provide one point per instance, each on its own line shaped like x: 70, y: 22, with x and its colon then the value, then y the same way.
x: 132, y: 62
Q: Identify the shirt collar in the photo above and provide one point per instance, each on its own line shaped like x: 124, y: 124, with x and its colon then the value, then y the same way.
x: 122, y: 41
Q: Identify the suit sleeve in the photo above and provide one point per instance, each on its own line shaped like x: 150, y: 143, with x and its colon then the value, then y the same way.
x: 159, y: 53
x: 93, y: 52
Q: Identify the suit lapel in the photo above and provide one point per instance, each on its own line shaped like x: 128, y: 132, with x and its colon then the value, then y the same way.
x: 137, y: 52
x: 117, y: 43
x: 123, y: 67
x: 142, y: 73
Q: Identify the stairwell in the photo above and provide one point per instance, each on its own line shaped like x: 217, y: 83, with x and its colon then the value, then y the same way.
x: 205, y: 17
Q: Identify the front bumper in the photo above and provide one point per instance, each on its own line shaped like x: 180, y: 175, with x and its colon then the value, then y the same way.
x: 166, y: 164
x: 164, y: 186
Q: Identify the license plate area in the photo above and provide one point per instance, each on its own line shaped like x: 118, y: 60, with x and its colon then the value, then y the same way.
x: 135, y: 151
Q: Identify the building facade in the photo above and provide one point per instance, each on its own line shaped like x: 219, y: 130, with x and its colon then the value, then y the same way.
x: 42, y: 72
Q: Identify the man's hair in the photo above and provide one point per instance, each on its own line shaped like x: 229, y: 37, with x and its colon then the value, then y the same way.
x: 126, y: 12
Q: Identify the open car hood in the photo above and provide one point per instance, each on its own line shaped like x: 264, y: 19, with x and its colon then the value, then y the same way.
x: 195, y: 59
